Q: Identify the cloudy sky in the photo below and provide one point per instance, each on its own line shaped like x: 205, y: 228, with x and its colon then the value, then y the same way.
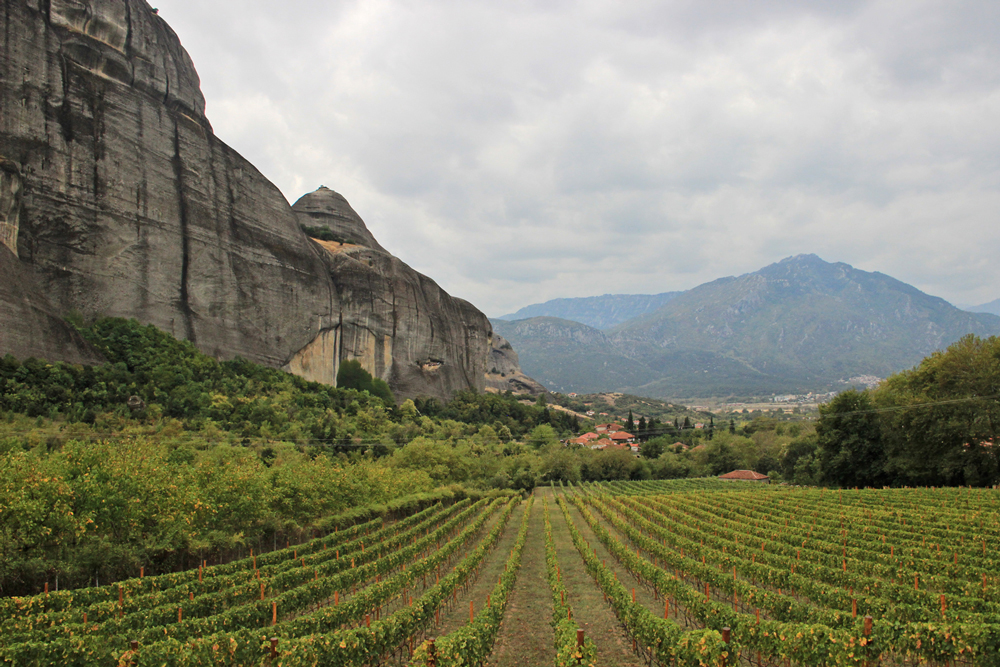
x: 518, y: 151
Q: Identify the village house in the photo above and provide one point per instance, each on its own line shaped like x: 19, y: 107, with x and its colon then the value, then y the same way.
x: 622, y: 437
x: 744, y: 476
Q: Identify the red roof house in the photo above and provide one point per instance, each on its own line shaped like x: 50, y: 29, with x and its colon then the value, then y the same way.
x: 622, y: 437
x: 607, y: 428
x: 744, y: 475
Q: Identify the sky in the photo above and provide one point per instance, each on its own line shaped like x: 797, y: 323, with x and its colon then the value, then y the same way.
x: 519, y: 151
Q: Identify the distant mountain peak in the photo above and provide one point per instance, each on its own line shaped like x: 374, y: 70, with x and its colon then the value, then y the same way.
x: 600, y: 312
x: 799, y: 324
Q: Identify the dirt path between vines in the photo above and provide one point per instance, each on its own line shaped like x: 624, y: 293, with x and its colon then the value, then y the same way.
x: 526, y: 636
x: 596, y: 618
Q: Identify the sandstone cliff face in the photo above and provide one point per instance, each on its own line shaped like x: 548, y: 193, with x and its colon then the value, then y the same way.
x: 503, y: 372
x: 117, y: 194
x: 131, y: 206
x: 29, y: 324
x: 325, y: 208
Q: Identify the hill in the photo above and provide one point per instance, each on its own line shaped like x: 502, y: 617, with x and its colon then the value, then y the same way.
x: 600, y: 312
x: 992, y: 307
x: 569, y: 356
x: 799, y: 325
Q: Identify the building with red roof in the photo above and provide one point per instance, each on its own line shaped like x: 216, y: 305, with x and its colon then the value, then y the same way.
x: 745, y: 476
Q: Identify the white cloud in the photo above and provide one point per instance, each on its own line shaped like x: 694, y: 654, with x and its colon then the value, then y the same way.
x: 520, y: 151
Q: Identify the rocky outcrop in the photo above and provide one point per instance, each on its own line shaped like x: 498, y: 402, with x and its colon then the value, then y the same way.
x: 126, y: 204
x: 398, y: 323
x: 131, y: 206
x: 31, y: 328
x: 10, y: 203
x: 504, y: 370
x: 329, y: 210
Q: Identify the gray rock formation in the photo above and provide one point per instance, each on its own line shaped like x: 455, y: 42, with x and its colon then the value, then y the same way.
x: 503, y: 372
x: 327, y: 209
x: 129, y: 206
x: 399, y: 323
x: 30, y: 327
x: 10, y: 203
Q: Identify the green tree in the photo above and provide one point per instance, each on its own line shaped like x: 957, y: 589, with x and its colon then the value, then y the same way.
x: 801, y: 450
x: 721, y: 458
x: 943, y: 417
x: 630, y: 423
x: 542, y: 436
x: 652, y: 448
x: 851, y: 452
x: 351, y: 375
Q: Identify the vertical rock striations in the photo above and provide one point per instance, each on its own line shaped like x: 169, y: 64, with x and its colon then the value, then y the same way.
x: 117, y: 195
x: 399, y: 323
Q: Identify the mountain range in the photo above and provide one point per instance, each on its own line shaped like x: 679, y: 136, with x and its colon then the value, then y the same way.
x: 799, y: 325
x: 600, y: 312
x: 991, y: 307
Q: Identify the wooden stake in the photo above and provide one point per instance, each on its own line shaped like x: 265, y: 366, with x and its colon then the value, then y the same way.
x: 274, y: 613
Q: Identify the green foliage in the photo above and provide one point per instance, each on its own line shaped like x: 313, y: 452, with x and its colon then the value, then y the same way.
x: 851, y: 452
x: 942, y: 418
x: 654, y: 447
x: 542, y: 436
x: 351, y: 375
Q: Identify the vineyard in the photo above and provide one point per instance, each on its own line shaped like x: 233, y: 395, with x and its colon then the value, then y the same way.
x: 693, y: 572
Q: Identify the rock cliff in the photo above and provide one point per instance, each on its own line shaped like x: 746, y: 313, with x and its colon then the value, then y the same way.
x: 121, y: 200
x: 504, y: 370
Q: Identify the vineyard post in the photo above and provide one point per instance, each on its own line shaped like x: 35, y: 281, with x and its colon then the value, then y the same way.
x: 431, y: 653
x: 579, y: 645
x: 868, y: 633
x: 274, y: 613
x: 725, y: 640
x: 274, y: 648
x: 134, y: 645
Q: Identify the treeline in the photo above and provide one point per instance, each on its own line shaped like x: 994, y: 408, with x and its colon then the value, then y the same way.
x: 934, y: 425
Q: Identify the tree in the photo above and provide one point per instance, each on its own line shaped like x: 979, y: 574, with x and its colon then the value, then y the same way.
x: 721, y: 458
x: 732, y: 426
x: 851, y: 452
x: 351, y: 375
x: 652, y: 448
x: 542, y: 436
x: 630, y: 423
x: 798, y: 456
x: 642, y: 423
x: 943, y: 417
